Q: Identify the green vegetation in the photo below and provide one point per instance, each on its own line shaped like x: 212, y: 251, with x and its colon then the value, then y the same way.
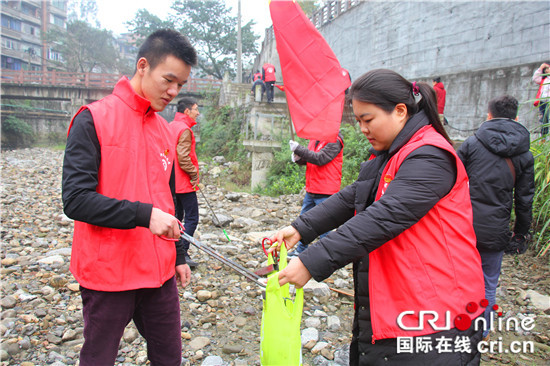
x: 220, y: 136
x: 541, y: 205
x: 16, y: 133
x: 286, y: 177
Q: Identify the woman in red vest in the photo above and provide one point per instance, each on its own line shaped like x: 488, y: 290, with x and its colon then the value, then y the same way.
x: 406, y: 225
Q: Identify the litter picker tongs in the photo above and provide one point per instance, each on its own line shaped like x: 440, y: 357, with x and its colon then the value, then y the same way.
x: 249, y: 275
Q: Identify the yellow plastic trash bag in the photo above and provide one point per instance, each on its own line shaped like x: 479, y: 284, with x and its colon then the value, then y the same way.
x: 281, y: 343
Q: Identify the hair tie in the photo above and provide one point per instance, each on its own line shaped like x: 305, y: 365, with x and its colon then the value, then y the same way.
x: 415, y: 88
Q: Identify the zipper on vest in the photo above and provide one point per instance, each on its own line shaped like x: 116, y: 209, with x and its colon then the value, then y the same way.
x: 373, y: 339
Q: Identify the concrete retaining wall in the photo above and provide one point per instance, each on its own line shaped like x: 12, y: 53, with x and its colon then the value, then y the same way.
x: 479, y: 49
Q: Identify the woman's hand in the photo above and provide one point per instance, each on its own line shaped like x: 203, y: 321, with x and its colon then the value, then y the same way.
x: 295, y: 273
x: 289, y: 235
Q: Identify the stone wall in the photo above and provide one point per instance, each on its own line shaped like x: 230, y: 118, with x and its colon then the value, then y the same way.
x: 479, y: 49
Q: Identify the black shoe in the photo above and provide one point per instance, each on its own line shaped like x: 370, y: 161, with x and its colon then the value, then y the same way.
x: 192, y: 264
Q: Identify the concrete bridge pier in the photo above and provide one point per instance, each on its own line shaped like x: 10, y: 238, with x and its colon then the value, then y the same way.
x: 262, y: 156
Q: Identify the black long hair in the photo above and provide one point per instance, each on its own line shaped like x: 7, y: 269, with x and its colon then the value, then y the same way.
x: 386, y: 88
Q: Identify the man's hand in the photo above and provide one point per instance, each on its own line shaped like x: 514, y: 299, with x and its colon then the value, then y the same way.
x: 183, y: 274
x: 293, y: 145
x: 196, y: 187
x: 164, y: 224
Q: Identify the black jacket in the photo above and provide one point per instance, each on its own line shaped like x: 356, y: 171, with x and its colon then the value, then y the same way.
x: 425, y: 176
x: 492, y: 187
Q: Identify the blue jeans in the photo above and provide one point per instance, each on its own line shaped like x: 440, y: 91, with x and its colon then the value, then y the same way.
x: 310, y: 201
x: 490, y: 263
x: 187, y: 211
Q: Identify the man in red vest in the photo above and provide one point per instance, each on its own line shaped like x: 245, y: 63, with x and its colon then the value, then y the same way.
x: 117, y: 169
x: 268, y: 76
x: 187, y: 169
x: 323, y: 161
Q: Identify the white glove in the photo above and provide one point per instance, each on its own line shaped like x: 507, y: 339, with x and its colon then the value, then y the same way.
x: 293, y: 145
x: 293, y: 157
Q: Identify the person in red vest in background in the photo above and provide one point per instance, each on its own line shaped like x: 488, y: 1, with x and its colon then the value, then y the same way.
x: 257, y: 80
x: 323, y: 161
x: 268, y: 76
x: 441, y: 93
x: 540, y: 77
x: 117, y: 170
x: 187, y: 169
x: 257, y: 75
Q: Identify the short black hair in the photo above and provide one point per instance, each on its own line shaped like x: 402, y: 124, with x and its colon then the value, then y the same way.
x: 437, y: 79
x: 186, y: 103
x: 166, y: 42
x: 504, y: 106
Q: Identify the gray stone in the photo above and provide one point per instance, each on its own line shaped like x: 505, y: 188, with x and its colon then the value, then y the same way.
x: 199, y: 343
x: 333, y: 323
x: 52, y: 259
x: 312, y: 322
x: 309, y: 334
x: 541, y: 302
x: 8, y: 302
x: 213, y: 361
x: 232, y: 348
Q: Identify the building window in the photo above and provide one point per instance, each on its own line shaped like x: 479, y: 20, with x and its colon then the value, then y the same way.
x: 54, y: 55
x: 9, y: 43
x: 60, y: 4
x: 11, y: 23
x: 57, y: 20
x: 11, y: 63
x: 29, y: 10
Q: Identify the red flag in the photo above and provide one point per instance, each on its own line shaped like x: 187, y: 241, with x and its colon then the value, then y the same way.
x: 314, y: 81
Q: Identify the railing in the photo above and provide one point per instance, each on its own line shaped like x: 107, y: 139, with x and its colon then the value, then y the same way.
x: 89, y: 80
x: 331, y: 10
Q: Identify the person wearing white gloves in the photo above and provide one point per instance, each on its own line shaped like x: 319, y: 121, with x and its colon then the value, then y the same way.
x: 323, y: 161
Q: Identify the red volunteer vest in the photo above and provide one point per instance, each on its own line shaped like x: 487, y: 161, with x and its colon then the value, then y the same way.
x: 181, y: 123
x: 257, y: 76
x: 324, y: 179
x: 269, y: 72
x: 432, y: 266
x: 136, y: 159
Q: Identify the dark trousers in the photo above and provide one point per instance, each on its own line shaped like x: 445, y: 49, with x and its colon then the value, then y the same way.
x: 269, y: 88
x: 544, y: 110
x: 156, y: 314
x: 187, y: 211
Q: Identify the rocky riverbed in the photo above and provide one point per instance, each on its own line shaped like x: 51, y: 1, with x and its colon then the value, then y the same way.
x: 41, y: 322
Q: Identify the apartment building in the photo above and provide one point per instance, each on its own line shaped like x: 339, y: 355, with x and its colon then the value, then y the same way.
x: 24, y: 23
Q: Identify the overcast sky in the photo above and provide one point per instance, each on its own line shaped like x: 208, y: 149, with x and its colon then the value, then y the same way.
x: 112, y: 14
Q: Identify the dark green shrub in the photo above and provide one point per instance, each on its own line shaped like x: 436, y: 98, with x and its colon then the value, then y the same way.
x: 16, y: 133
